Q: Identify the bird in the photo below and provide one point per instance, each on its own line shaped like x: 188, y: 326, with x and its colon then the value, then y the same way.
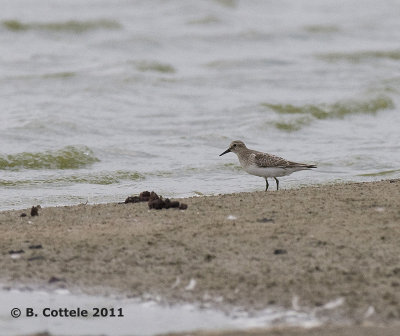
x: 264, y: 164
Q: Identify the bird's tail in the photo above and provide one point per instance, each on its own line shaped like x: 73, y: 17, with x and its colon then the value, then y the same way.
x: 311, y: 166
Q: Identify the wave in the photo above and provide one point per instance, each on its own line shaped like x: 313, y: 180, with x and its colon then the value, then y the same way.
x: 66, y: 74
x: 321, y: 29
x: 234, y: 64
x: 308, y: 113
x: 70, y: 157
x: 360, y: 56
x: 155, y: 66
x: 103, y: 178
x: 381, y: 173
x: 67, y: 26
x: 227, y: 3
x: 205, y: 20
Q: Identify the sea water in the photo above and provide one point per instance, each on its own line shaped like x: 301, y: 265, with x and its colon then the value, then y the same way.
x: 101, y: 99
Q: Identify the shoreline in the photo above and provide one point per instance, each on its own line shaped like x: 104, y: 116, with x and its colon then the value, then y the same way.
x: 254, y: 250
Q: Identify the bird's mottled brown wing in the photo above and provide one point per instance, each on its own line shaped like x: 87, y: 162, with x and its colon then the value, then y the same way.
x: 269, y: 160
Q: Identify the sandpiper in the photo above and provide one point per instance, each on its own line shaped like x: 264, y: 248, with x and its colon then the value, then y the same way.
x: 264, y: 164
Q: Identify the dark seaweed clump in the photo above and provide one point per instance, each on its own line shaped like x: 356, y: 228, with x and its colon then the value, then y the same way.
x: 155, y: 201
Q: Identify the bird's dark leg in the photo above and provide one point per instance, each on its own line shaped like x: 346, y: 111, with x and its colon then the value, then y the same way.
x: 277, y: 183
x: 266, y: 184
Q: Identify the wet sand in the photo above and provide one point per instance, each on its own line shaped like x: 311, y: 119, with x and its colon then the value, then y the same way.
x: 302, y: 248
x: 322, y: 331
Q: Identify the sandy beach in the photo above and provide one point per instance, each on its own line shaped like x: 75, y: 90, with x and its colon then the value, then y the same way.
x: 304, y: 247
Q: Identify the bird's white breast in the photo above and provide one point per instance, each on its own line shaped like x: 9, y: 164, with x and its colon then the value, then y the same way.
x: 268, y: 172
x: 271, y: 171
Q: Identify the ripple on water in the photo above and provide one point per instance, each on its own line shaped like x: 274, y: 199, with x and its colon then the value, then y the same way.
x: 155, y: 66
x: 381, y: 173
x: 360, y: 56
x: 72, y: 26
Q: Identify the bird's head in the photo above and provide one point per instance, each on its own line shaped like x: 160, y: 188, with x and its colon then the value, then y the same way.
x: 235, y: 147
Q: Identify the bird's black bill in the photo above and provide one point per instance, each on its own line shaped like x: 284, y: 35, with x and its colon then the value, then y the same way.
x: 227, y: 151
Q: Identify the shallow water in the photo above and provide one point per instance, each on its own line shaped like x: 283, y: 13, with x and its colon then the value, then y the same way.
x: 139, y: 318
x: 101, y: 99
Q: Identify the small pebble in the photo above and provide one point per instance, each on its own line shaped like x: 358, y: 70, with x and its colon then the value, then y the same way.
x: 208, y: 257
x: 36, y: 258
x: 16, y: 251
x: 34, y: 247
x: 265, y: 220
x: 35, y: 210
x: 280, y: 251
x: 54, y: 279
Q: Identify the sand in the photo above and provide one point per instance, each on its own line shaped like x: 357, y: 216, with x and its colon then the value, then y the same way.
x: 304, y: 247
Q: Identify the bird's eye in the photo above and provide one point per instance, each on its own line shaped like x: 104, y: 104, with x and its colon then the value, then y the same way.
x: 234, y: 145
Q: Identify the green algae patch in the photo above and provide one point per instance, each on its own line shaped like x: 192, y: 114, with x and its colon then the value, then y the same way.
x: 303, y: 115
x: 69, y: 157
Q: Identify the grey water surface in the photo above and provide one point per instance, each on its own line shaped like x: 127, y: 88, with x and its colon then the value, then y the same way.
x: 103, y: 99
